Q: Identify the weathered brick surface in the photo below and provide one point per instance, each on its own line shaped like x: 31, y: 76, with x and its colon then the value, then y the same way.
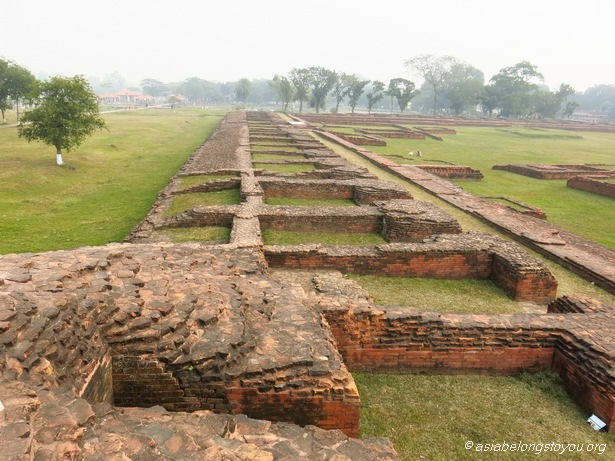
x: 453, y: 172
x: 595, y: 185
x: 548, y: 171
x: 397, y: 339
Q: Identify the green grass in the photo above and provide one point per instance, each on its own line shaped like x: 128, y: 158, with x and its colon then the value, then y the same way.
x: 284, y: 167
x: 196, y: 234
x: 457, y: 296
x: 183, y: 202
x: 298, y: 201
x: 432, y: 417
x: 586, y: 214
x: 108, y: 185
x: 568, y: 283
x: 271, y: 237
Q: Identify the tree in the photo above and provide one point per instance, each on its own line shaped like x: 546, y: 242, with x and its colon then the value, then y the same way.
x: 569, y: 109
x: 464, y: 87
x: 242, y: 90
x: 66, y: 114
x: 15, y: 82
x: 354, y: 90
x: 435, y: 70
x: 563, y: 93
x: 340, y: 89
x: 376, y: 94
x: 154, y: 87
x: 545, y: 104
x: 322, y: 81
x: 513, y: 86
x: 283, y: 89
x: 403, y: 90
x: 300, y: 79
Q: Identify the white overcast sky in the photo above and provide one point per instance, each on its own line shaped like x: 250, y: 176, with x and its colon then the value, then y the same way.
x: 569, y: 41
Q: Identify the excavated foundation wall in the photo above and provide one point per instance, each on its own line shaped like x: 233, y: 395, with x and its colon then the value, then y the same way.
x: 521, y: 280
x: 594, y: 185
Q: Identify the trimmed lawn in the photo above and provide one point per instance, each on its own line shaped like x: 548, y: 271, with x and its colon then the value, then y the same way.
x: 107, y: 187
x: 197, y: 234
x: 455, y: 296
x: 433, y: 417
x: 586, y: 214
x: 183, y: 202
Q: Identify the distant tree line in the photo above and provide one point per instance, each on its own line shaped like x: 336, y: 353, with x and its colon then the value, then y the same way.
x: 447, y: 86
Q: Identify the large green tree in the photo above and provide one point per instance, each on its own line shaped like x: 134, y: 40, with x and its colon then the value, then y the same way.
x: 354, y: 90
x: 375, y: 95
x: 15, y: 83
x: 403, y: 90
x: 283, y: 89
x: 464, y: 88
x: 340, y: 89
x: 322, y: 81
x: 243, y: 87
x: 154, y: 87
x: 512, y: 88
x: 65, y: 115
x: 435, y: 70
x: 301, y: 80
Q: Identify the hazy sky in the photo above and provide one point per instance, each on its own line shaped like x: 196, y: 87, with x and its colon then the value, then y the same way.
x: 569, y: 41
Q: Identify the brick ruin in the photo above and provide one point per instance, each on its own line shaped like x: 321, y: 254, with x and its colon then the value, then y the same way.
x: 201, y: 334
x: 548, y: 171
x: 594, y: 184
x: 588, y: 178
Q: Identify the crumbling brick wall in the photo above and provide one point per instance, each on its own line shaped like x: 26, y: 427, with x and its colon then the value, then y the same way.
x: 595, y: 185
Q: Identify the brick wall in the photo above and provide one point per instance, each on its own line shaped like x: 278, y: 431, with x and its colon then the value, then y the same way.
x: 547, y: 171
x: 591, y: 394
x: 372, y: 260
x: 453, y: 172
x: 593, y: 185
x: 142, y: 382
x: 420, y: 342
x: 337, y: 410
x: 520, y: 276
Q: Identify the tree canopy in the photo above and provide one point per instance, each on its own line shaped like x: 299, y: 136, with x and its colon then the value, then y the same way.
x: 403, y: 90
x: 65, y: 115
x: 283, y: 89
x: 15, y: 83
x: 242, y: 90
x: 435, y: 70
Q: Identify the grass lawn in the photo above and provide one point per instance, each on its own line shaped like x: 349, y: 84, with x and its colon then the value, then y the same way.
x: 108, y: 185
x: 183, y: 202
x: 589, y: 215
x: 456, y: 296
x: 197, y: 234
x: 433, y: 417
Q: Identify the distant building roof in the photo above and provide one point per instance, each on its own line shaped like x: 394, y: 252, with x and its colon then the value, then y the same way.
x: 125, y: 95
